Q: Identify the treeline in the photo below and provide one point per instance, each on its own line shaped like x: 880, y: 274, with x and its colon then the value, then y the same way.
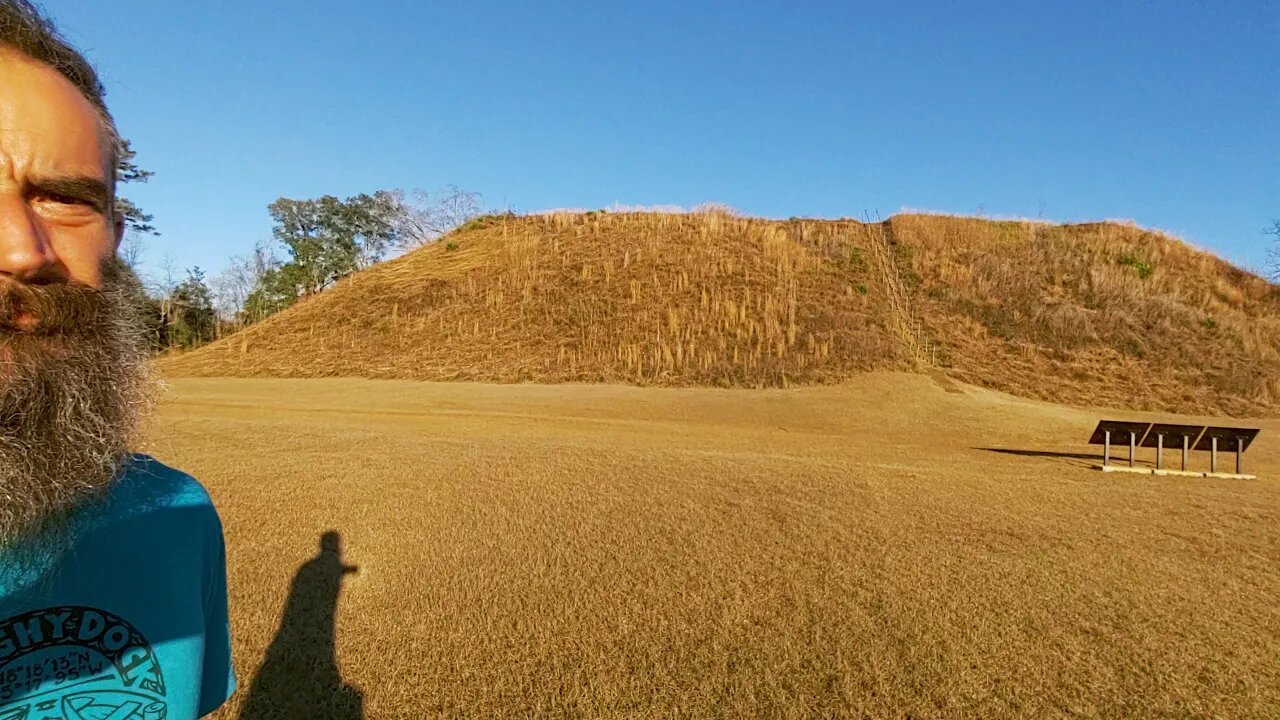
x: 314, y: 243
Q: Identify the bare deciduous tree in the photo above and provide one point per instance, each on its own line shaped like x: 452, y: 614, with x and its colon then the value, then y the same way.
x: 132, y: 248
x: 232, y: 287
x: 1273, y: 253
x: 424, y: 218
x: 166, y: 279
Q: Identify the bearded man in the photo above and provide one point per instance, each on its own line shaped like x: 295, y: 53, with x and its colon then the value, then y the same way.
x: 112, y: 575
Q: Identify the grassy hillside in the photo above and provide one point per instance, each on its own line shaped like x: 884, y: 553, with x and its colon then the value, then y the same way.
x: 1087, y: 314
x: 1100, y: 313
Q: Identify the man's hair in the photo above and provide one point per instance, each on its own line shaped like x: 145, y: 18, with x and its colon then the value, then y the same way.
x: 28, y: 31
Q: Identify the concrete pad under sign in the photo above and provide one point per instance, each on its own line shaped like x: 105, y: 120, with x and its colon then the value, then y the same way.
x: 1180, y: 473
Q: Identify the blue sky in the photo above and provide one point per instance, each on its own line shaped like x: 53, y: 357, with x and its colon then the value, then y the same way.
x: 1164, y: 112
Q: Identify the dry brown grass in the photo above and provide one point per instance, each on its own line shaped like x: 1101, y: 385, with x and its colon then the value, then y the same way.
x: 1064, y: 313
x: 1051, y: 312
x: 647, y: 299
x: 850, y: 551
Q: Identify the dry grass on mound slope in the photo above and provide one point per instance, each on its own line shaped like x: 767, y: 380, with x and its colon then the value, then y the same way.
x: 645, y: 299
x: 1098, y: 314
x: 1101, y: 314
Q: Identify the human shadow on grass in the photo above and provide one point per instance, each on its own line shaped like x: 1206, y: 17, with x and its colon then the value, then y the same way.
x: 299, y: 677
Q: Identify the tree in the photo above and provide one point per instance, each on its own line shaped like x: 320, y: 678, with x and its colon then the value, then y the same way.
x: 1273, y: 253
x: 328, y: 239
x: 135, y: 220
x: 132, y: 248
x: 182, y: 318
x: 137, y: 223
x: 233, y: 286
x: 165, y: 282
x: 422, y: 218
x: 373, y: 222
x: 277, y: 289
x: 189, y: 317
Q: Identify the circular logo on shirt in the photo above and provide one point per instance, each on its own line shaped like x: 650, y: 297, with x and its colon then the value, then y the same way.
x: 77, y: 663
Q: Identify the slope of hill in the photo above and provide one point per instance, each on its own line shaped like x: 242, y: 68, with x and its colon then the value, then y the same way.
x: 1101, y: 314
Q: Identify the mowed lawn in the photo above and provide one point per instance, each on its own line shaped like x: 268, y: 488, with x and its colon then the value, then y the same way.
x: 601, y: 551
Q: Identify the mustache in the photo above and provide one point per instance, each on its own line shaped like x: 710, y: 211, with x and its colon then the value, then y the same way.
x: 49, y: 309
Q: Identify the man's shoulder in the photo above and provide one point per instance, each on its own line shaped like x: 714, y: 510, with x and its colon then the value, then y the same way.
x: 149, y: 485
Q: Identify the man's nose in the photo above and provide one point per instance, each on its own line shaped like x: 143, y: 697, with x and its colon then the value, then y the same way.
x: 25, y: 251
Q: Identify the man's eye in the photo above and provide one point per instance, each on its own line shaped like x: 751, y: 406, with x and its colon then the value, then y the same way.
x: 60, y: 199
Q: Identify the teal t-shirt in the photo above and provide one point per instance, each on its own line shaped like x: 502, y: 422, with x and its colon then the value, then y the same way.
x: 131, y: 623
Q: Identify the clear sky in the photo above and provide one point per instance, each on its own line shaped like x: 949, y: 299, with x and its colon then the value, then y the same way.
x: 1164, y: 112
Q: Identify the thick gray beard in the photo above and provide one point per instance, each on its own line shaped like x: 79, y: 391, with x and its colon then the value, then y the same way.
x: 67, y: 419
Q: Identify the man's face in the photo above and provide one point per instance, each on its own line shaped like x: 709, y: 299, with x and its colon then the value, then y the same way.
x: 72, y: 378
x: 56, y: 224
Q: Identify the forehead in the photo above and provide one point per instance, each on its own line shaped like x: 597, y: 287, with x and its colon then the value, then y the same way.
x: 47, y: 127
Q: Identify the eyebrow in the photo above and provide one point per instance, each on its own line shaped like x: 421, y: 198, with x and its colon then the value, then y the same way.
x: 86, y: 189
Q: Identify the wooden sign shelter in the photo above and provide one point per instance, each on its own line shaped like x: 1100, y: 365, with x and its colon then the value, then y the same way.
x: 1208, y: 438
x: 1110, y: 431
x: 1163, y: 435
x: 1225, y: 438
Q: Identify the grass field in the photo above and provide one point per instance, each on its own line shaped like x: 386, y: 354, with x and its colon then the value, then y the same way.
x: 601, y: 551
